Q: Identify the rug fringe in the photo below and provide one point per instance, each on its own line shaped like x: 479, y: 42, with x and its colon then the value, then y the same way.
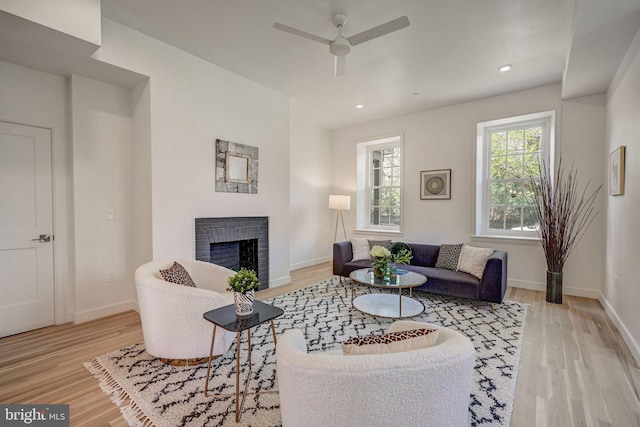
x: 131, y: 412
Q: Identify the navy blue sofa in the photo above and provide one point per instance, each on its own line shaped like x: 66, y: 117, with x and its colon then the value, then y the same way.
x: 490, y: 288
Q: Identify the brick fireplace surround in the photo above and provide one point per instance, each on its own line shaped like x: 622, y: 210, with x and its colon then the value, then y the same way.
x: 211, y: 232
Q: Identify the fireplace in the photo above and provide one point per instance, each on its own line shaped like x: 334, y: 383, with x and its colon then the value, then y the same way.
x: 235, y: 242
x: 236, y: 255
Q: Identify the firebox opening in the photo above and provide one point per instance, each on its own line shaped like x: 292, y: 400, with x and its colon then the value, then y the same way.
x: 236, y: 255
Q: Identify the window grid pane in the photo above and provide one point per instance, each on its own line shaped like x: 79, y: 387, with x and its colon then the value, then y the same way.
x: 385, y: 186
x: 514, y: 157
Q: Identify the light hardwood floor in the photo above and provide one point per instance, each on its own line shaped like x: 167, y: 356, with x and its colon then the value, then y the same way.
x: 575, y: 368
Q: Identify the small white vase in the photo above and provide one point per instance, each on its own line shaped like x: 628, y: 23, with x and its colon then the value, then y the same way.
x: 244, y: 302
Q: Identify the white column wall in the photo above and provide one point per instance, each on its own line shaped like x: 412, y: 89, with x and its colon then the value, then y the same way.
x: 311, y: 229
x: 102, y: 176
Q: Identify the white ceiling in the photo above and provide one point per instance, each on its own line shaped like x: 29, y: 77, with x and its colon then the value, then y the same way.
x: 450, y: 53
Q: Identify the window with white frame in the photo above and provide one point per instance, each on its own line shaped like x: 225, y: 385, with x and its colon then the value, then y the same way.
x: 509, y: 154
x: 379, y: 183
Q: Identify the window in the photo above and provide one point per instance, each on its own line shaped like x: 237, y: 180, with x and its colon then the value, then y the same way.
x: 379, y: 184
x: 509, y: 152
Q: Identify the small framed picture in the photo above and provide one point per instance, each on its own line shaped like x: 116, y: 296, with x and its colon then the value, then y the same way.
x: 616, y: 171
x: 435, y: 185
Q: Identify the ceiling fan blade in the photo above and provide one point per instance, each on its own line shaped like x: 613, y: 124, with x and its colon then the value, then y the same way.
x: 300, y: 33
x: 338, y: 69
x: 380, y: 30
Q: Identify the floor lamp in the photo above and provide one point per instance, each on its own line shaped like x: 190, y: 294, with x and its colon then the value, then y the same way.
x: 339, y: 203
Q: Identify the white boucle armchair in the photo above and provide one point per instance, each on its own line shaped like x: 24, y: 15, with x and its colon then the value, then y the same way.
x: 171, y: 314
x: 423, y: 387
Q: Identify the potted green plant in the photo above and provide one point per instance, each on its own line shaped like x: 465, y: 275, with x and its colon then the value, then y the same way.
x: 243, y: 284
x: 403, y: 256
x: 563, y: 214
x: 381, y: 257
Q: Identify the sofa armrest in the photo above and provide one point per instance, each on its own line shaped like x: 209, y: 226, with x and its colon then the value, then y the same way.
x: 342, y: 253
x: 493, y: 284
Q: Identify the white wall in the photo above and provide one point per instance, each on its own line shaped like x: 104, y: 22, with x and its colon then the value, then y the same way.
x: 311, y: 226
x: 620, y: 296
x: 142, y: 233
x: 78, y: 18
x: 102, y: 176
x: 193, y: 102
x: 444, y: 138
x: 34, y: 98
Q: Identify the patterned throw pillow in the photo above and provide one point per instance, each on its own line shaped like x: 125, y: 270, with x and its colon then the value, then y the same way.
x: 393, y: 342
x: 473, y: 260
x: 383, y: 243
x: 177, y: 274
x: 448, y: 256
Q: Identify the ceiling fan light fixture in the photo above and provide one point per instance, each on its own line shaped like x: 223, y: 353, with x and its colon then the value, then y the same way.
x: 340, y: 46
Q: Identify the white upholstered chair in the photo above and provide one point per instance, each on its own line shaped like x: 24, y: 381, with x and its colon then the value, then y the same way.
x: 424, y: 387
x: 171, y: 314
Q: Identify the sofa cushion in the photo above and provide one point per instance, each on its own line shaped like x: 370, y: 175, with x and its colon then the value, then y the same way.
x: 448, y: 256
x: 177, y: 274
x: 472, y: 260
x: 360, y: 248
x: 424, y: 255
x: 392, y: 342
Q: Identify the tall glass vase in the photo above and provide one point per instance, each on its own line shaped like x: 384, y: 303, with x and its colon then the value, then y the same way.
x: 554, y: 287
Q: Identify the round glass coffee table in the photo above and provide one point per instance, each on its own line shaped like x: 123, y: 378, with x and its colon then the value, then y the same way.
x: 387, y: 304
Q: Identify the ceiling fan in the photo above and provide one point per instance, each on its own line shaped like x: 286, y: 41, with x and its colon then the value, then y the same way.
x: 341, y: 45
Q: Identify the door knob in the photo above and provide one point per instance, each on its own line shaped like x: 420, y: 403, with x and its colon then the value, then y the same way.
x: 44, y: 238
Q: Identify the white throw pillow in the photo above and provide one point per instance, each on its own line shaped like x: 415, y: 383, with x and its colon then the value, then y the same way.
x: 472, y: 260
x: 392, y: 342
x: 360, y: 248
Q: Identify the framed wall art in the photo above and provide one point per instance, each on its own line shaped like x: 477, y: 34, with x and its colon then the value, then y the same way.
x: 236, y: 167
x: 435, y: 184
x: 616, y: 171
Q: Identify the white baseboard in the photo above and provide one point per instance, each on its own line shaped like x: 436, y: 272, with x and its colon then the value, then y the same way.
x: 97, y: 313
x: 522, y: 284
x: 279, y: 282
x: 310, y: 263
x: 566, y: 290
x: 626, y: 336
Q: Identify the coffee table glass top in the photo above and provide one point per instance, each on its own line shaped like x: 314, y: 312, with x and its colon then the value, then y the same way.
x: 405, y: 279
x: 226, y: 316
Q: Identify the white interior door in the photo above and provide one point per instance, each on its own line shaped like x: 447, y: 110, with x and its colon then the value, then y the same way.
x: 26, y: 215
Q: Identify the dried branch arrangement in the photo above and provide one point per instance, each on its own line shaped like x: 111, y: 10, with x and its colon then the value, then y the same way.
x: 563, y: 212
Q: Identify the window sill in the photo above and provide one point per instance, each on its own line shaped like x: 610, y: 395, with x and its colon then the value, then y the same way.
x: 506, y: 239
x: 376, y: 231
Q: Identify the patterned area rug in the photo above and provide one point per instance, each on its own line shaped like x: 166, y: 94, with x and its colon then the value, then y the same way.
x: 150, y: 392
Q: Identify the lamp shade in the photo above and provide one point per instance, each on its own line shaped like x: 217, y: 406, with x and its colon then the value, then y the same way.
x: 339, y: 202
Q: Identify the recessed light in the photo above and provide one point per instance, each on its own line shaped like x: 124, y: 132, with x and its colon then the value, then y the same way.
x: 359, y: 106
x: 505, y: 67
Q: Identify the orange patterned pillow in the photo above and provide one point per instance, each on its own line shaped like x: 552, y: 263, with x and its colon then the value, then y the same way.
x: 393, y: 342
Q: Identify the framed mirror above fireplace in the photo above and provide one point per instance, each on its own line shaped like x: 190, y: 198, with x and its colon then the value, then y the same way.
x: 236, y: 167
